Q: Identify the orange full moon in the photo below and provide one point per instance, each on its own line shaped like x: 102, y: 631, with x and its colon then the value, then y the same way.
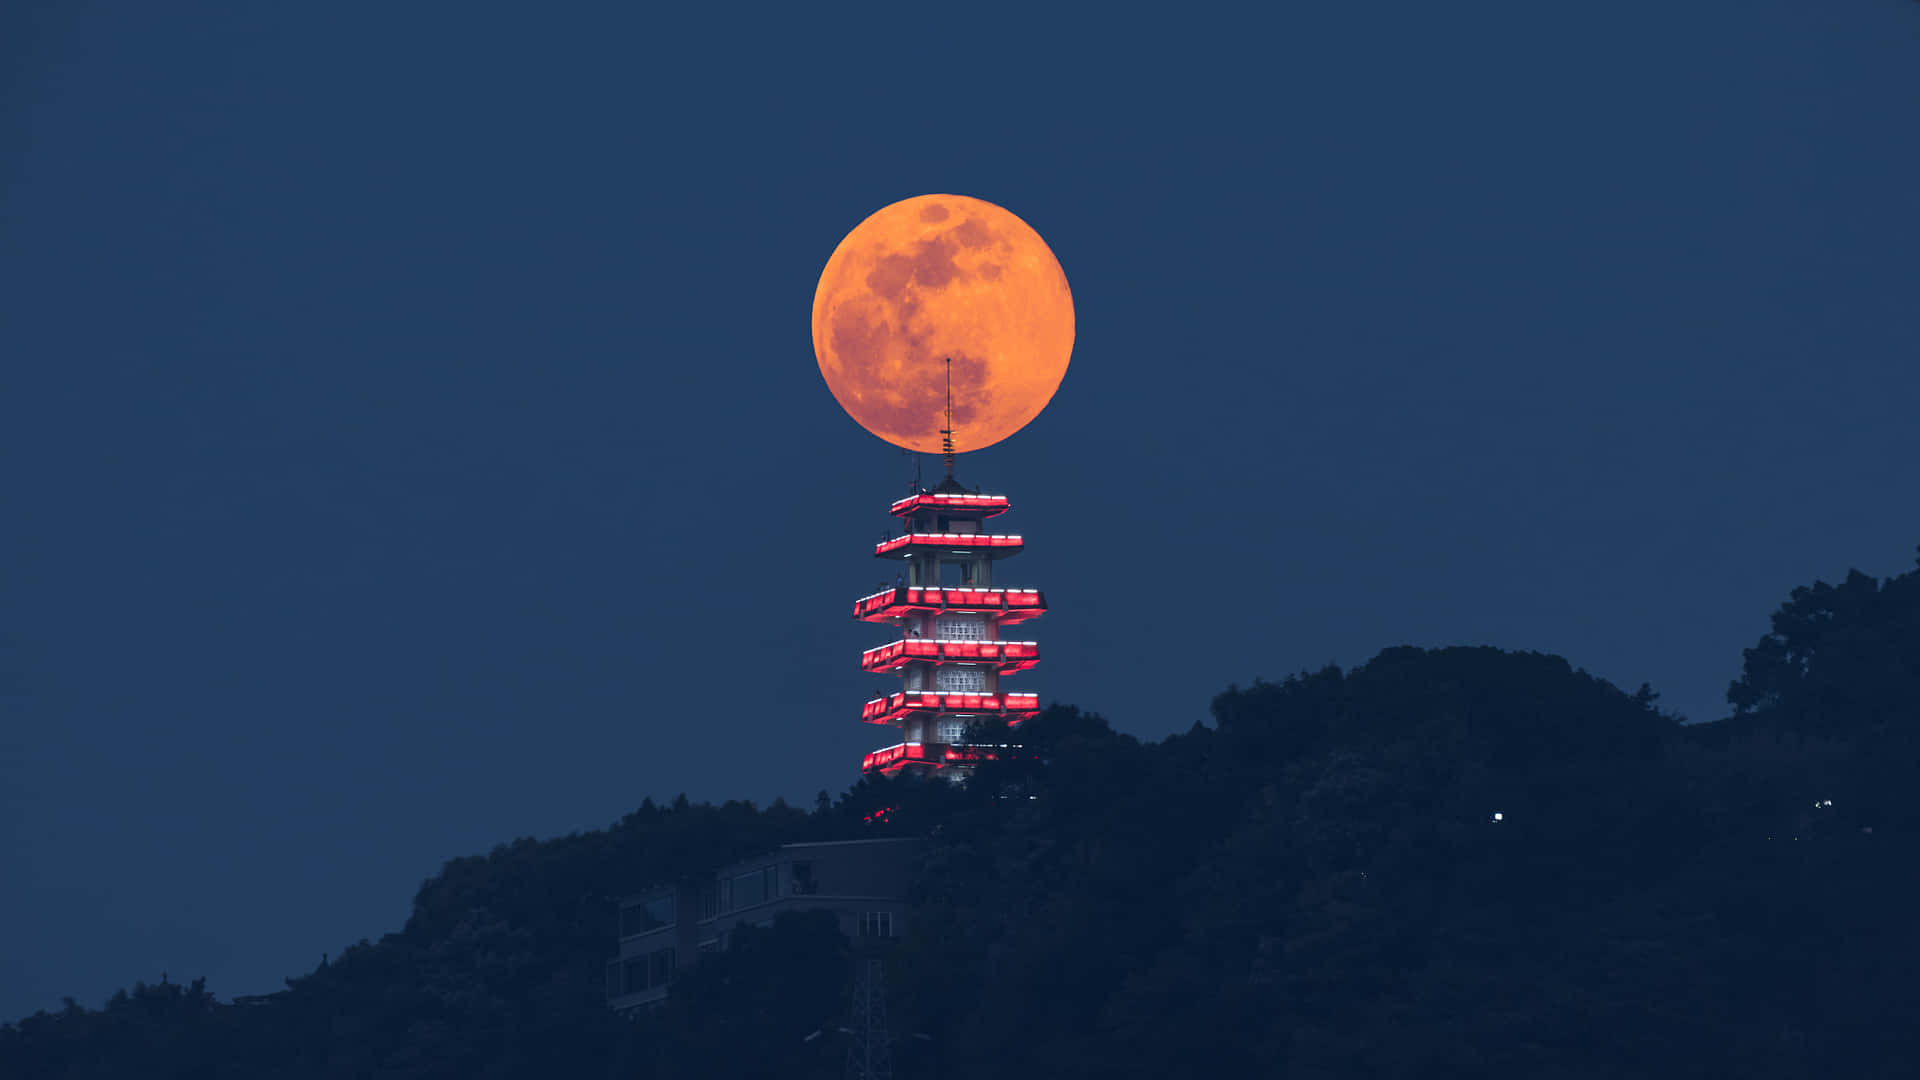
x: 936, y: 277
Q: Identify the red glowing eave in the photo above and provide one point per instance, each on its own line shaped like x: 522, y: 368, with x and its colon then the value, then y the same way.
x: 895, y: 756
x: 1012, y: 605
x: 894, y: 708
x: 1005, y: 656
x: 991, y: 542
x: 985, y: 505
x: 898, y: 756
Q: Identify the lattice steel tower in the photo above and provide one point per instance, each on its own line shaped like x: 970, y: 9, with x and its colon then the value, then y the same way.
x: 870, y: 1054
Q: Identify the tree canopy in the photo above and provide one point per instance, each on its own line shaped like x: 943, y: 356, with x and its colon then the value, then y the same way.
x: 1444, y: 862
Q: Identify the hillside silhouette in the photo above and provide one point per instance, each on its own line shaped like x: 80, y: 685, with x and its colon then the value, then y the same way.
x: 1457, y: 862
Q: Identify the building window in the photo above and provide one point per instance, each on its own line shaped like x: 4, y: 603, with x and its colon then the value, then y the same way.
x: 803, y: 883
x: 709, y: 899
x: 748, y: 889
x: 659, y: 968
x: 649, y: 914
x: 960, y: 680
x: 756, y: 886
x: 876, y: 924
x: 649, y: 972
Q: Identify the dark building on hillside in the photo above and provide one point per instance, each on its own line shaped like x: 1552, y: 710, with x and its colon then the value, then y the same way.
x: 664, y: 930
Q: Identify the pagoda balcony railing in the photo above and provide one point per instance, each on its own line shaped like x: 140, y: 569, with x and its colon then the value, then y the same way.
x: 985, y: 505
x: 1007, y: 656
x: 970, y: 542
x: 974, y: 753
x: 1012, y: 605
x: 893, y: 708
x: 899, y: 755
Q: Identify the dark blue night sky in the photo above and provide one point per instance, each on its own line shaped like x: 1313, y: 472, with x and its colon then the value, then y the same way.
x: 412, y: 437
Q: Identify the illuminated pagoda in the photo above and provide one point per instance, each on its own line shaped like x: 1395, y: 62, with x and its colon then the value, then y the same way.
x: 951, y: 652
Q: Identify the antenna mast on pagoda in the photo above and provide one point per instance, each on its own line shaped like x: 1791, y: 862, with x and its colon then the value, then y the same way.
x: 946, y: 433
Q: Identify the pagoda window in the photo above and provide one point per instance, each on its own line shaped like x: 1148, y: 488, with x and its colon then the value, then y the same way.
x: 951, y: 731
x: 960, y: 680
x: 960, y: 628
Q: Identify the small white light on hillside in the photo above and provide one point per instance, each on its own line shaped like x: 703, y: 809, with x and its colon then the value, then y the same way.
x: 1498, y: 816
